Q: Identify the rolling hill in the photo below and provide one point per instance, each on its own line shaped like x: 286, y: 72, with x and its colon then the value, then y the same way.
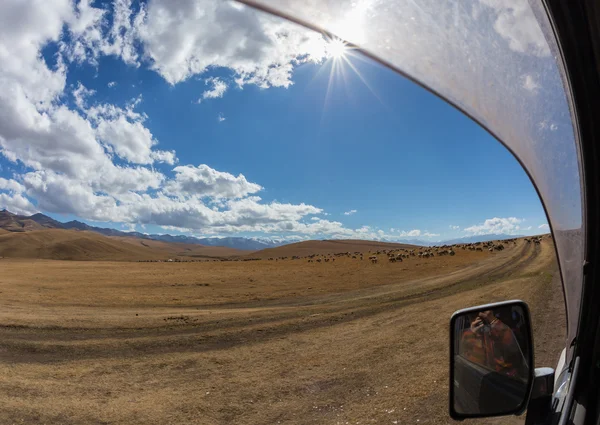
x: 62, y: 244
x: 327, y: 247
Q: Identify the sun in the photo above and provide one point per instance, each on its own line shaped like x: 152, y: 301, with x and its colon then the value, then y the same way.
x: 336, y: 48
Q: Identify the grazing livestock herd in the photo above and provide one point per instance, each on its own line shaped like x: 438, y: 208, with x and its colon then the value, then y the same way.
x: 399, y: 255
x: 396, y: 255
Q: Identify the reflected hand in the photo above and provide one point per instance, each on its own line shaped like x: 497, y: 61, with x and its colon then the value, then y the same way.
x: 476, y: 325
x: 487, y: 316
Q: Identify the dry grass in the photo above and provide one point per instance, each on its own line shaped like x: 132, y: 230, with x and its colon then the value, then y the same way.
x: 328, y: 247
x: 60, y: 244
x: 265, y: 342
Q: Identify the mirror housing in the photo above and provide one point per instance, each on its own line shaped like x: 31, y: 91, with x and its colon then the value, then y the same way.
x: 491, y: 360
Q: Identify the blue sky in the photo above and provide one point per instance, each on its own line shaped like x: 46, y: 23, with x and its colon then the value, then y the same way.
x: 327, y: 146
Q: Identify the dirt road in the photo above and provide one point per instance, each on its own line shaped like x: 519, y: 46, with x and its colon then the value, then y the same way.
x: 257, y: 342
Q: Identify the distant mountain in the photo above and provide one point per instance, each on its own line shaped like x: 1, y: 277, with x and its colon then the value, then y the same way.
x: 230, y: 242
x: 45, y: 221
x: 17, y: 223
x: 240, y: 243
x: 414, y: 242
x: 106, y: 231
x: 479, y: 238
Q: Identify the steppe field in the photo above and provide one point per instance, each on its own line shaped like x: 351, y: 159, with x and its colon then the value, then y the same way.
x: 253, y: 342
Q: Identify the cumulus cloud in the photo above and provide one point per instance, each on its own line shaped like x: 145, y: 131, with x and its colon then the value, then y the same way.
x: 24, y: 29
x: 186, y: 38
x: 129, y: 140
x: 11, y: 185
x: 81, y: 95
x: 205, y: 181
x: 496, y: 225
x: 219, y: 87
x: 93, y: 35
x: 16, y: 203
x: 350, y: 212
x: 12, y: 198
x: 112, y: 84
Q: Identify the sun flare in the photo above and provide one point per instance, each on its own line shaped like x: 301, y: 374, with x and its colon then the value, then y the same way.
x: 336, y: 48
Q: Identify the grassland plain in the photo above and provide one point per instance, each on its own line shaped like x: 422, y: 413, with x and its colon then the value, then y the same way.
x: 256, y: 342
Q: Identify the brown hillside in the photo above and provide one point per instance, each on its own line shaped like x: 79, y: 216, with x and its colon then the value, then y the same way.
x: 181, y: 249
x: 17, y: 223
x: 326, y: 247
x: 59, y: 244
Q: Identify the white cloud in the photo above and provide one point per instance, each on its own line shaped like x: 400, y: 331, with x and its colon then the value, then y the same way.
x: 411, y: 233
x: 430, y: 235
x: 129, y: 140
x: 182, y: 39
x: 529, y: 83
x: 544, y: 226
x: 128, y: 227
x: 496, y: 225
x: 112, y: 84
x: 59, y: 194
x: 11, y: 185
x: 164, y: 156
x: 350, y: 212
x: 186, y: 38
x: 454, y: 227
x: 206, y: 181
x: 221, y: 117
x: 92, y: 36
x: 81, y: 94
x: 219, y: 87
x: 315, y: 218
x: 16, y: 203
x: 24, y: 29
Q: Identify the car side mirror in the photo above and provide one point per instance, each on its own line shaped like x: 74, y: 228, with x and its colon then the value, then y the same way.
x: 491, y: 360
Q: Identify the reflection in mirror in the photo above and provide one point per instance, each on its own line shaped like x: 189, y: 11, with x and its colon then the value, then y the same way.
x: 491, y: 360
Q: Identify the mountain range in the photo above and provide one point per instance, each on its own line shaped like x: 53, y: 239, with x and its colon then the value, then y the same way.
x: 19, y: 223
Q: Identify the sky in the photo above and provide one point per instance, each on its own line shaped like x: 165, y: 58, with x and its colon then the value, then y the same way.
x: 207, y: 118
